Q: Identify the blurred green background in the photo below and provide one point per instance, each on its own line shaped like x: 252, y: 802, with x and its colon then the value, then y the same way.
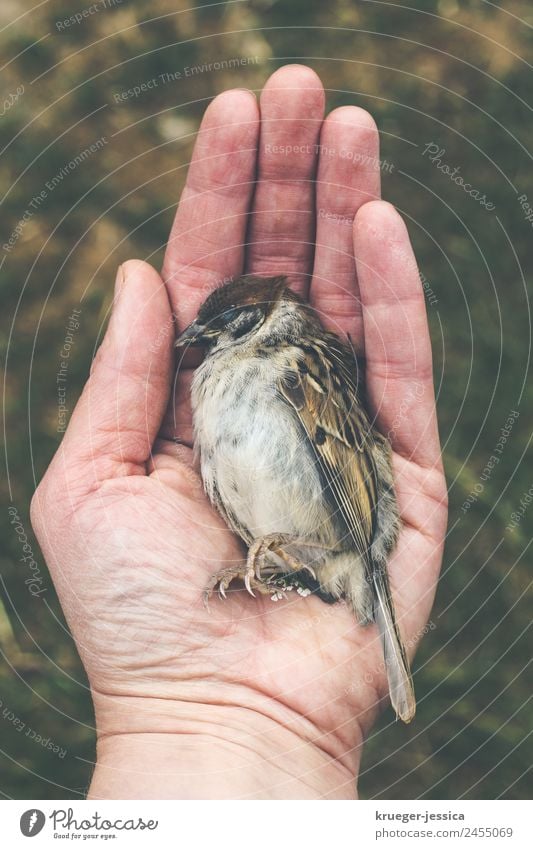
x: 449, y: 73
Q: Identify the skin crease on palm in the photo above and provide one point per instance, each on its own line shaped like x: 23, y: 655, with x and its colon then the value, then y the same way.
x: 254, y: 699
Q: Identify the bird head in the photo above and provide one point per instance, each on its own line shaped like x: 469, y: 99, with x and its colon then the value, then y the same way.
x: 234, y: 313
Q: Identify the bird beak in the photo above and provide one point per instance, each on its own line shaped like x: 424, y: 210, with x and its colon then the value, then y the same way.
x: 194, y: 334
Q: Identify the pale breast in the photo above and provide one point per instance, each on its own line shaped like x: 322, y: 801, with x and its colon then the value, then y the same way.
x: 255, y: 457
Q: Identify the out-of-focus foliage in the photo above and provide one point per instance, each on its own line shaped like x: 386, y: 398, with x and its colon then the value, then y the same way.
x: 448, y: 73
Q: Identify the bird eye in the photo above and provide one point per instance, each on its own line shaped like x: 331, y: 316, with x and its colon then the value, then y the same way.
x: 239, y: 320
x: 229, y: 315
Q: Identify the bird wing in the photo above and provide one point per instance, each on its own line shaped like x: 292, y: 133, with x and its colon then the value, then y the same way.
x: 324, y: 388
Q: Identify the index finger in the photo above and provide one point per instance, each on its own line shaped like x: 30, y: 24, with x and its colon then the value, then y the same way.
x: 206, y: 244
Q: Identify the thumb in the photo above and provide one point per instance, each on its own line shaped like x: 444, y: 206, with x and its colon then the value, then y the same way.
x: 119, y: 413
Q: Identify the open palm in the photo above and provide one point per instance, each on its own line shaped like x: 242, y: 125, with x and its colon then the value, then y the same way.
x: 121, y: 516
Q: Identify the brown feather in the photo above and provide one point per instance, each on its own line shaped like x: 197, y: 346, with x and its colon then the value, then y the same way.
x: 337, y: 427
x: 242, y: 291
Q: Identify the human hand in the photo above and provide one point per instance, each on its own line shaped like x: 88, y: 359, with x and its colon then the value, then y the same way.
x: 252, y: 699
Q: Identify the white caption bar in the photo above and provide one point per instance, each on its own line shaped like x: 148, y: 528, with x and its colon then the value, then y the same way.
x: 263, y: 825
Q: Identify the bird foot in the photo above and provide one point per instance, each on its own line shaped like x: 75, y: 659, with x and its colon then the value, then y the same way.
x: 276, y: 586
x: 262, y: 575
x: 223, y: 579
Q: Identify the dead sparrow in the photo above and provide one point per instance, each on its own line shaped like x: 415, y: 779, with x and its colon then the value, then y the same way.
x: 291, y: 460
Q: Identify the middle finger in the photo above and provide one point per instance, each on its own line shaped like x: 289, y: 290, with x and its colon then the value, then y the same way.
x: 282, y: 226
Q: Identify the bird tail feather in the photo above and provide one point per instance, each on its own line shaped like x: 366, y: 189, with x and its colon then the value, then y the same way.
x: 401, y: 688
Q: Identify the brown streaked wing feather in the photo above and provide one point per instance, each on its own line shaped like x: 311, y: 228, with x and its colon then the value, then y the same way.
x: 322, y: 387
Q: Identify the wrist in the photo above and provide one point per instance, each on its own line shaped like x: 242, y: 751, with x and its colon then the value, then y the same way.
x: 164, y: 748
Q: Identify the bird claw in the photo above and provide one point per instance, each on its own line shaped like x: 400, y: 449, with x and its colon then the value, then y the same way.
x: 248, y: 585
x: 222, y: 580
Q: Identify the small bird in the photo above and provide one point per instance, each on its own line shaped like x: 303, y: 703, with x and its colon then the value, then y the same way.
x: 290, y: 458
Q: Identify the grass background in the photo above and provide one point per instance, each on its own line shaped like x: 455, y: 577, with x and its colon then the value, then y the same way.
x: 450, y: 73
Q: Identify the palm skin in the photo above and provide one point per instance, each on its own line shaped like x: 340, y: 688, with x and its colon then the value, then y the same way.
x: 121, y: 516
